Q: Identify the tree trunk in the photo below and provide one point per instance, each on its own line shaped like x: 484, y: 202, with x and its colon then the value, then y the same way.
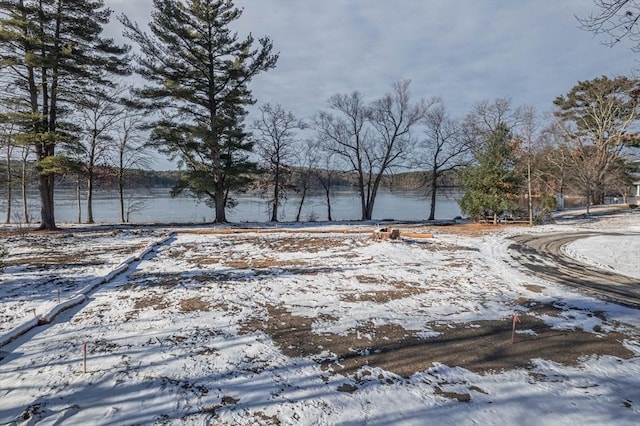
x: 302, y: 198
x: 276, y: 199
x: 529, y: 192
x: 363, y: 197
x: 328, y: 197
x: 220, y: 204
x: 90, y: 196
x: 121, y: 193
x: 47, y: 217
x: 79, y: 201
x: 9, y: 194
x: 372, y: 198
x: 598, y: 196
x: 49, y: 112
x: 23, y: 184
x: 434, y: 193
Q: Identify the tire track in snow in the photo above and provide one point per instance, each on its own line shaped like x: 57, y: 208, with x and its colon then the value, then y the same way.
x: 544, y: 255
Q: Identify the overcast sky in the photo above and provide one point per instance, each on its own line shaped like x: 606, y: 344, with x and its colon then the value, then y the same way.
x: 464, y: 51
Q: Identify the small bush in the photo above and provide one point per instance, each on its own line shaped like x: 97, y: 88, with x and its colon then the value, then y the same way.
x: 633, y: 206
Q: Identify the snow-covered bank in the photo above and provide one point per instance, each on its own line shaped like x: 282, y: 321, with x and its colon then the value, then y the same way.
x: 310, y: 328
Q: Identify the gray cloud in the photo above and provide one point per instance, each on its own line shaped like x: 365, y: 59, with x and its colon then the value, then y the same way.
x: 461, y: 50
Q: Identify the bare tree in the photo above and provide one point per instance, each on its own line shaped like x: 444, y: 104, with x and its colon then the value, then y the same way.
x: 133, y: 206
x: 552, y: 168
x: 307, y: 157
x: 326, y: 174
x: 370, y: 139
x: 128, y: 153
x: 487, y: 115
x: 99, y: 112
x: 275, y: 134
x: 443, y: 149
x: 344, y: 134
x: 617, y: 19
x: 528, y: 133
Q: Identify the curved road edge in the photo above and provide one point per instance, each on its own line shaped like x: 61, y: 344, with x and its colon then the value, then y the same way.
x: 543, y: 255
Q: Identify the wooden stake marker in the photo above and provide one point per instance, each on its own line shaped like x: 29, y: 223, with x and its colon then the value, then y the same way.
x: 84, y: 358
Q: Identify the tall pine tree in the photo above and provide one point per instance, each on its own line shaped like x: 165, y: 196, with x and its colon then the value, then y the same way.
x: 596, y: 116
x: 198, y: 72
x: 48, y: 49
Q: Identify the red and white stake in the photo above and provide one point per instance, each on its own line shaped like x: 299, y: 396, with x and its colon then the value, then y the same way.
x: 516, y: 319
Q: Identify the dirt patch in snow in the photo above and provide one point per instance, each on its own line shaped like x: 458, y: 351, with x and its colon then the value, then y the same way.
x: 154, y: 301
x: 64, y: 250
x: 293, y: 244
x: 480, y: 346
x: 399, y: 290
x: 194, y: 304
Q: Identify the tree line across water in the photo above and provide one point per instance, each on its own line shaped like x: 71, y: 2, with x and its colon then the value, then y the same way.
x: 67, y: 108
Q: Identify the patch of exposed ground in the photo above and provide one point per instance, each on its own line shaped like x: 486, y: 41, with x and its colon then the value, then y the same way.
x: 399, y: 290
x: 293, y: 244
x: 261, y: 263
x: 269, y: 243
x: 54, y: 250
x: 153, y: 301
x: 481, y: 346
x: 194, y: 304
x: 465, y: 229
x: 534, y: 288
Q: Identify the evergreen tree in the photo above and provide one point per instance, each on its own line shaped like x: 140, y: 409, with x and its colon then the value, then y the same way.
x: 198, y: 73
x: 595, y: 116
x: 48, y: 49
x: 492, y: 185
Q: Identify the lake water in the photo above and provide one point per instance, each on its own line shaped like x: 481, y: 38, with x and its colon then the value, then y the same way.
x: 157, y: 206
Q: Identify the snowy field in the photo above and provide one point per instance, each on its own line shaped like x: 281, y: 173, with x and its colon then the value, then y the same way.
x: 313, y: 325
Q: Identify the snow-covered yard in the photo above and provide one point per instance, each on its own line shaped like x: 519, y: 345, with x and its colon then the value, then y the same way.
x: 308, y: 327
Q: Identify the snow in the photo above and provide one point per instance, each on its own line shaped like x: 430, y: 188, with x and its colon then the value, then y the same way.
x: 620, y: 254
x: 186, y: 327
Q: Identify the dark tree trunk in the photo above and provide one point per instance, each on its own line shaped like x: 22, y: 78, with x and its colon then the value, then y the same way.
x: 302, y: 198
x: 220, y: 204
x: 276, y: 196
x: 9, y: 194
x: 121, y: 193
x: 328, y: 197
x: 434, y: 193
x: 47, y: 217
x: 25, y: 205
x: 79, y: 198
x: 90, y: 197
